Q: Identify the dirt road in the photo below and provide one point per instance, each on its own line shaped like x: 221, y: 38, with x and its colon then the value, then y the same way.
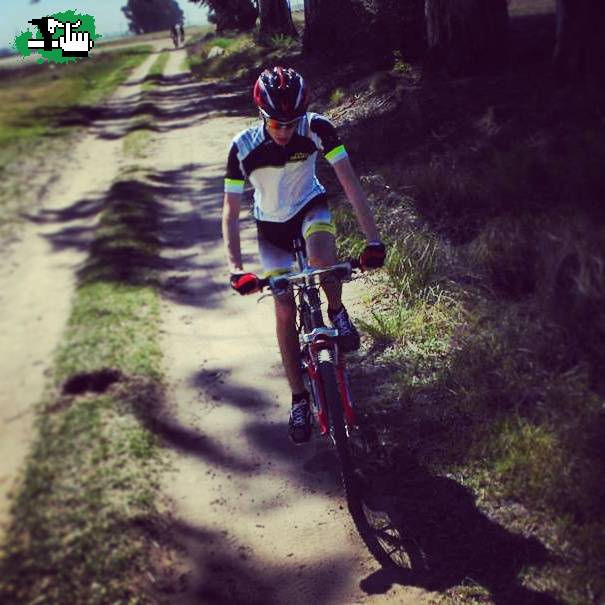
x: 260, y: 520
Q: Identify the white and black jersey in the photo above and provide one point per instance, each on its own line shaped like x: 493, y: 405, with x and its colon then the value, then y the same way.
x: 283, y: 178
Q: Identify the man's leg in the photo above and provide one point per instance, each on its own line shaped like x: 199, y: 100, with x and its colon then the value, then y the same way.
x: 321, y: 251
x: 287, y: 338
x: 274, y: 261
x: 299, y: 423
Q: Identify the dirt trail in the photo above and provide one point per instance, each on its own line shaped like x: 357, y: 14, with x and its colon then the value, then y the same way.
x: 38, y: 273
x: 261, y: 520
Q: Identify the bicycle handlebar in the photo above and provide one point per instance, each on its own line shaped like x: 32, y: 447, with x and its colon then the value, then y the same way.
x: 343, y: 271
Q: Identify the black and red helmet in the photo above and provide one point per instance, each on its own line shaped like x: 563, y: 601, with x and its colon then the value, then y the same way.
x: 281, y: 93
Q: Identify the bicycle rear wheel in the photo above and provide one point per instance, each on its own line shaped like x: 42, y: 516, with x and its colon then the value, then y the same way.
x: 352, y: 481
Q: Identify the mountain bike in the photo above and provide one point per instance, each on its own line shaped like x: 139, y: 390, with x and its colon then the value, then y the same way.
x: 325, y: 375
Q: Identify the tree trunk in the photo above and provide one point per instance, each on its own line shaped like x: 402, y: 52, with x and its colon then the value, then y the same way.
x: 580, y: 46
x: 332, y: 28
x: 275, y: 18
x: 466, y: 37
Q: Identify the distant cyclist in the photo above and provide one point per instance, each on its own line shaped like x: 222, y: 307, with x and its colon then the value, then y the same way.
x: 278, y: 157
x: 174, y: 34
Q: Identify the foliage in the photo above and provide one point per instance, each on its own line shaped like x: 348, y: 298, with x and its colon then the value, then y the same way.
x: 243, y: 54
x: 239, y: 15
x: 283, y: 43
x: 337, y: 96
x: 146, y: 16
x: 400, y: 65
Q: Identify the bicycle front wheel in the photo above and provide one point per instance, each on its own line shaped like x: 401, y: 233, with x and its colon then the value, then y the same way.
x: 334, y: 403
x: 353, y: 485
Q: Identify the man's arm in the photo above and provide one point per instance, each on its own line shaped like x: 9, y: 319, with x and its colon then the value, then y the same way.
x: 357, y: 197
x: 231, y: 207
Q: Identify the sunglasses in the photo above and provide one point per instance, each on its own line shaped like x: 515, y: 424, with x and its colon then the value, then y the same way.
x: 277, y: 125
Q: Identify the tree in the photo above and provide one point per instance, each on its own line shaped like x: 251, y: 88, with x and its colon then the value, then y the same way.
x: 394, y: 24
x: 333, y: 28
x: 152, y: 15
x: 275, y: 18
x: 580, y: 46
x: 467, y: 36
x: 239, y: 15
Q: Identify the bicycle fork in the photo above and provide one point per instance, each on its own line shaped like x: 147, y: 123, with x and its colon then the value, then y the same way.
x: 312, y: 368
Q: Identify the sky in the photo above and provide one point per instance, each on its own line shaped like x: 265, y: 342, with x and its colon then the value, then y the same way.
x: 109, y: 19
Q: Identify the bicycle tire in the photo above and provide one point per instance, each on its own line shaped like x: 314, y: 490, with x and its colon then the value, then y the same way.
x: 351, y: 481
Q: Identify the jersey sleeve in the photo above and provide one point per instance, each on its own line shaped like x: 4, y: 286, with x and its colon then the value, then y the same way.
x: 330, y: 142
x: 234, y: 177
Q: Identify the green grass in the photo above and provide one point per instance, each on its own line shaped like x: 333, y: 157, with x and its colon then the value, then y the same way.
x: 337, y: 96
x: 31, y: 106
x: 492, y: 343
x: 242, y: 53
x: 28, y: 105
x: 93, y: 472
x: 156, y: 71
x: 136, y: 143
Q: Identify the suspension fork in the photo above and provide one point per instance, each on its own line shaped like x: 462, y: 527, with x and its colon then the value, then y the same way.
x: 312, y: 369
x: 345, y: 392
x: 318, y: 393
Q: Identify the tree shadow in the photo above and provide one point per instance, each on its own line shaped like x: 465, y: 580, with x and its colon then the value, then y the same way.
x: 151, y: 230
x: 214, y: 567
x: 174, y: 103
x: 147, y: 401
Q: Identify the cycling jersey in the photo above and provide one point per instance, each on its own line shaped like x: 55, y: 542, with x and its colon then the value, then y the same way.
x: 283, y: 178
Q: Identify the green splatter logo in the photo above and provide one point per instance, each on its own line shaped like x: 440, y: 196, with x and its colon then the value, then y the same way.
x: 61, y: 37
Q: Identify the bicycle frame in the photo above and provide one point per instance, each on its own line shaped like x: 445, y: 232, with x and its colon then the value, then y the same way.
x: 317, y: 341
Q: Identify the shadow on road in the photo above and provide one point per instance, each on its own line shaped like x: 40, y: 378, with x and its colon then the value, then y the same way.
x: 175, y: 102
x: 220, y: 569
x: 146, y: 230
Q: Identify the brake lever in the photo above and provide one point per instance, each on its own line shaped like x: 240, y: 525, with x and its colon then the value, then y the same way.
x: 263, y: 296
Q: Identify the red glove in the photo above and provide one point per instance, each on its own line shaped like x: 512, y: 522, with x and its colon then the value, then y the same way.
x: 244, y: 283
x: 373, y: 256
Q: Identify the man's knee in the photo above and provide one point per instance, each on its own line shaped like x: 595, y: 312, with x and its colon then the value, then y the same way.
x: 321, y: 249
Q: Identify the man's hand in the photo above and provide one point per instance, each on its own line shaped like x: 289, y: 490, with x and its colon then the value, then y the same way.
x: 244, y: 283
x: 373, y: 256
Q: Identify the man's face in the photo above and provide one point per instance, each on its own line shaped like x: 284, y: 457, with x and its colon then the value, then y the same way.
x: 281, y: 132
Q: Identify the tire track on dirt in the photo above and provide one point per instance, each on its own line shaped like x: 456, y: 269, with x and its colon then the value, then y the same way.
x: 259, y: 520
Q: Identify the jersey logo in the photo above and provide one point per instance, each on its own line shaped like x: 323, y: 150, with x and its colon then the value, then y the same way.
x: 299, y: 156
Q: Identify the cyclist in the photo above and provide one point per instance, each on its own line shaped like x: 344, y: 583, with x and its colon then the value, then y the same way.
x: 174, y: 34
x: 278, y: 157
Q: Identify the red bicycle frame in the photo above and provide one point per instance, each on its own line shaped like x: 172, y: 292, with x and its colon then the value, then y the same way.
x: 312, y: 368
